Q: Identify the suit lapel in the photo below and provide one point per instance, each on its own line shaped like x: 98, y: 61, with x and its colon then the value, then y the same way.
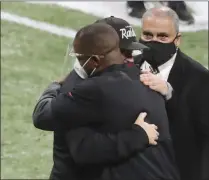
x: 177, y: 80
x: 177, y: 74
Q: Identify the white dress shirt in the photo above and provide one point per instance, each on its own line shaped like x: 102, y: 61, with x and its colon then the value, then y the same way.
x: 164, y: 71
x: 164, y: 68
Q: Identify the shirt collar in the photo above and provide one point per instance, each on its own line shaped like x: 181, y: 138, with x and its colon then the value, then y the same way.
x: 169, y: 63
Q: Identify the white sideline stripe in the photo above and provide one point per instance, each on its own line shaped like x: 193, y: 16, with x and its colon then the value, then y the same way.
x: 51, y: 28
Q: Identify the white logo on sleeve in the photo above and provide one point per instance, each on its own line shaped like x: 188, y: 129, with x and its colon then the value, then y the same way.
x: 127, y: 32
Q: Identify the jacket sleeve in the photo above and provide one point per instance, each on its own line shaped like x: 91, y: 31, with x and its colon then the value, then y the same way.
x: 42, y: 115
x: 90, y: 147
x: 80, y: 141
x: 201, y: 117
x: 200, y: 98
x: 80, y: 107
x: 203, y: 125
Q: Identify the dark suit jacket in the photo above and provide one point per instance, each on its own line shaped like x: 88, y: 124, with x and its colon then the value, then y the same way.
x: 109, y: 102
x: 188, y: 116
x: 108, y: 147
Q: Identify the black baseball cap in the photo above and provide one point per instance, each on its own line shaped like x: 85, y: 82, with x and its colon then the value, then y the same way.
x: 125, y: 32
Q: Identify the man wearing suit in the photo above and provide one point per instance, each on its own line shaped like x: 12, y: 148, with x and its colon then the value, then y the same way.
x: 188, y: 108
x: 107, y: 102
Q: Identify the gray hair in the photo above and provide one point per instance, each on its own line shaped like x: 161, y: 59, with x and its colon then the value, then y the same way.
x: 163, y: 12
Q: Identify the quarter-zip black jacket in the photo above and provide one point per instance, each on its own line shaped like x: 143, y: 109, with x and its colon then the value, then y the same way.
x: 108, y: 147
x: 109, y: 102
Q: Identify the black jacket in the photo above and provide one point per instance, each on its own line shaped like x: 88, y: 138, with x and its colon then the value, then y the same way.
x: 99, y: 102
x: 115, y: 146
x: 188, y: 116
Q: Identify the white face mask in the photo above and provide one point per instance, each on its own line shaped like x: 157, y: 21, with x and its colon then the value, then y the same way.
x: 80, y: 69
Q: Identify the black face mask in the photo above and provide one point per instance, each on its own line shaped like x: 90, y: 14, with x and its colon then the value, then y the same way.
x: 159, y: 53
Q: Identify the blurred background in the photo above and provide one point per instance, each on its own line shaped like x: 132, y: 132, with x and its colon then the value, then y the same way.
x: 34, y: 38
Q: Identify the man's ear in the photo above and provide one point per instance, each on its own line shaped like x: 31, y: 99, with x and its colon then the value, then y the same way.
x: 96, y: 61
x: 178, y: 40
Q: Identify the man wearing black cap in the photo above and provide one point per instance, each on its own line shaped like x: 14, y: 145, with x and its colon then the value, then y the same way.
x: 128, y: 41
x: 125, y: 31
x: 63, y: 164
x: 97, y: 103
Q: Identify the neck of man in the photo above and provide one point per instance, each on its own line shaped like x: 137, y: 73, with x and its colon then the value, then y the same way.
x: 113, y: 58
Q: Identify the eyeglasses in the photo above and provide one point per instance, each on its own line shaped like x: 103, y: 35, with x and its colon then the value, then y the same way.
x: 74, y: 54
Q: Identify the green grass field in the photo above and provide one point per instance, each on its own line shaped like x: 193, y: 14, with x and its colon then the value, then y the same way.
x: 30, y: 60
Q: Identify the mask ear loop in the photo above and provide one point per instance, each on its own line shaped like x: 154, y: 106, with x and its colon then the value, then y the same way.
x: 93, y: 71
x: 86, y: 62
x: 95, y: 67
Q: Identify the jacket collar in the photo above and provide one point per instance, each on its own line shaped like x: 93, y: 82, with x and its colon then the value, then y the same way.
x: 177, y: 74
x: 110, y: 69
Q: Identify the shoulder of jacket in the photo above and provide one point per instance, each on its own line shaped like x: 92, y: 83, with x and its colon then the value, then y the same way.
x: 192, y: 65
